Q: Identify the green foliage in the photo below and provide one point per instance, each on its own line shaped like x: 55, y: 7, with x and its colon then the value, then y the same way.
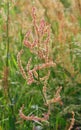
x: 66, y: 3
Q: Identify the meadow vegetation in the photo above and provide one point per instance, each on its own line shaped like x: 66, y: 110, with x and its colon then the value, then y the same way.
x: 40, y: 65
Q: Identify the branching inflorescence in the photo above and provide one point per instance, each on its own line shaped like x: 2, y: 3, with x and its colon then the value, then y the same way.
x: 72, y: 121
x: 40, y: 47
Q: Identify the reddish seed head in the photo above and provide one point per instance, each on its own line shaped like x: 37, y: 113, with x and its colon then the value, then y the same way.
x: 33, y: 9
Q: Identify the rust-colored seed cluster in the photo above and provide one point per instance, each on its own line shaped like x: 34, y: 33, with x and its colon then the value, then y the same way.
x: 40, y: 47
x: 72, y: 121
x: 32, y: 117
x: 57, y: 97
x: 20, y: 65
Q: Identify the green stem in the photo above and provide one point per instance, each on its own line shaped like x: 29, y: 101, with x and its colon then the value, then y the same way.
x: 11, y: 109
x: 7, y: 25
x: 39, y: 72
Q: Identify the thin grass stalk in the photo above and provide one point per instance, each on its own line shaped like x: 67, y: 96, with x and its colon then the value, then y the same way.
x: 7, y: 45
x: 11, y: 108
x: 6, y: 68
